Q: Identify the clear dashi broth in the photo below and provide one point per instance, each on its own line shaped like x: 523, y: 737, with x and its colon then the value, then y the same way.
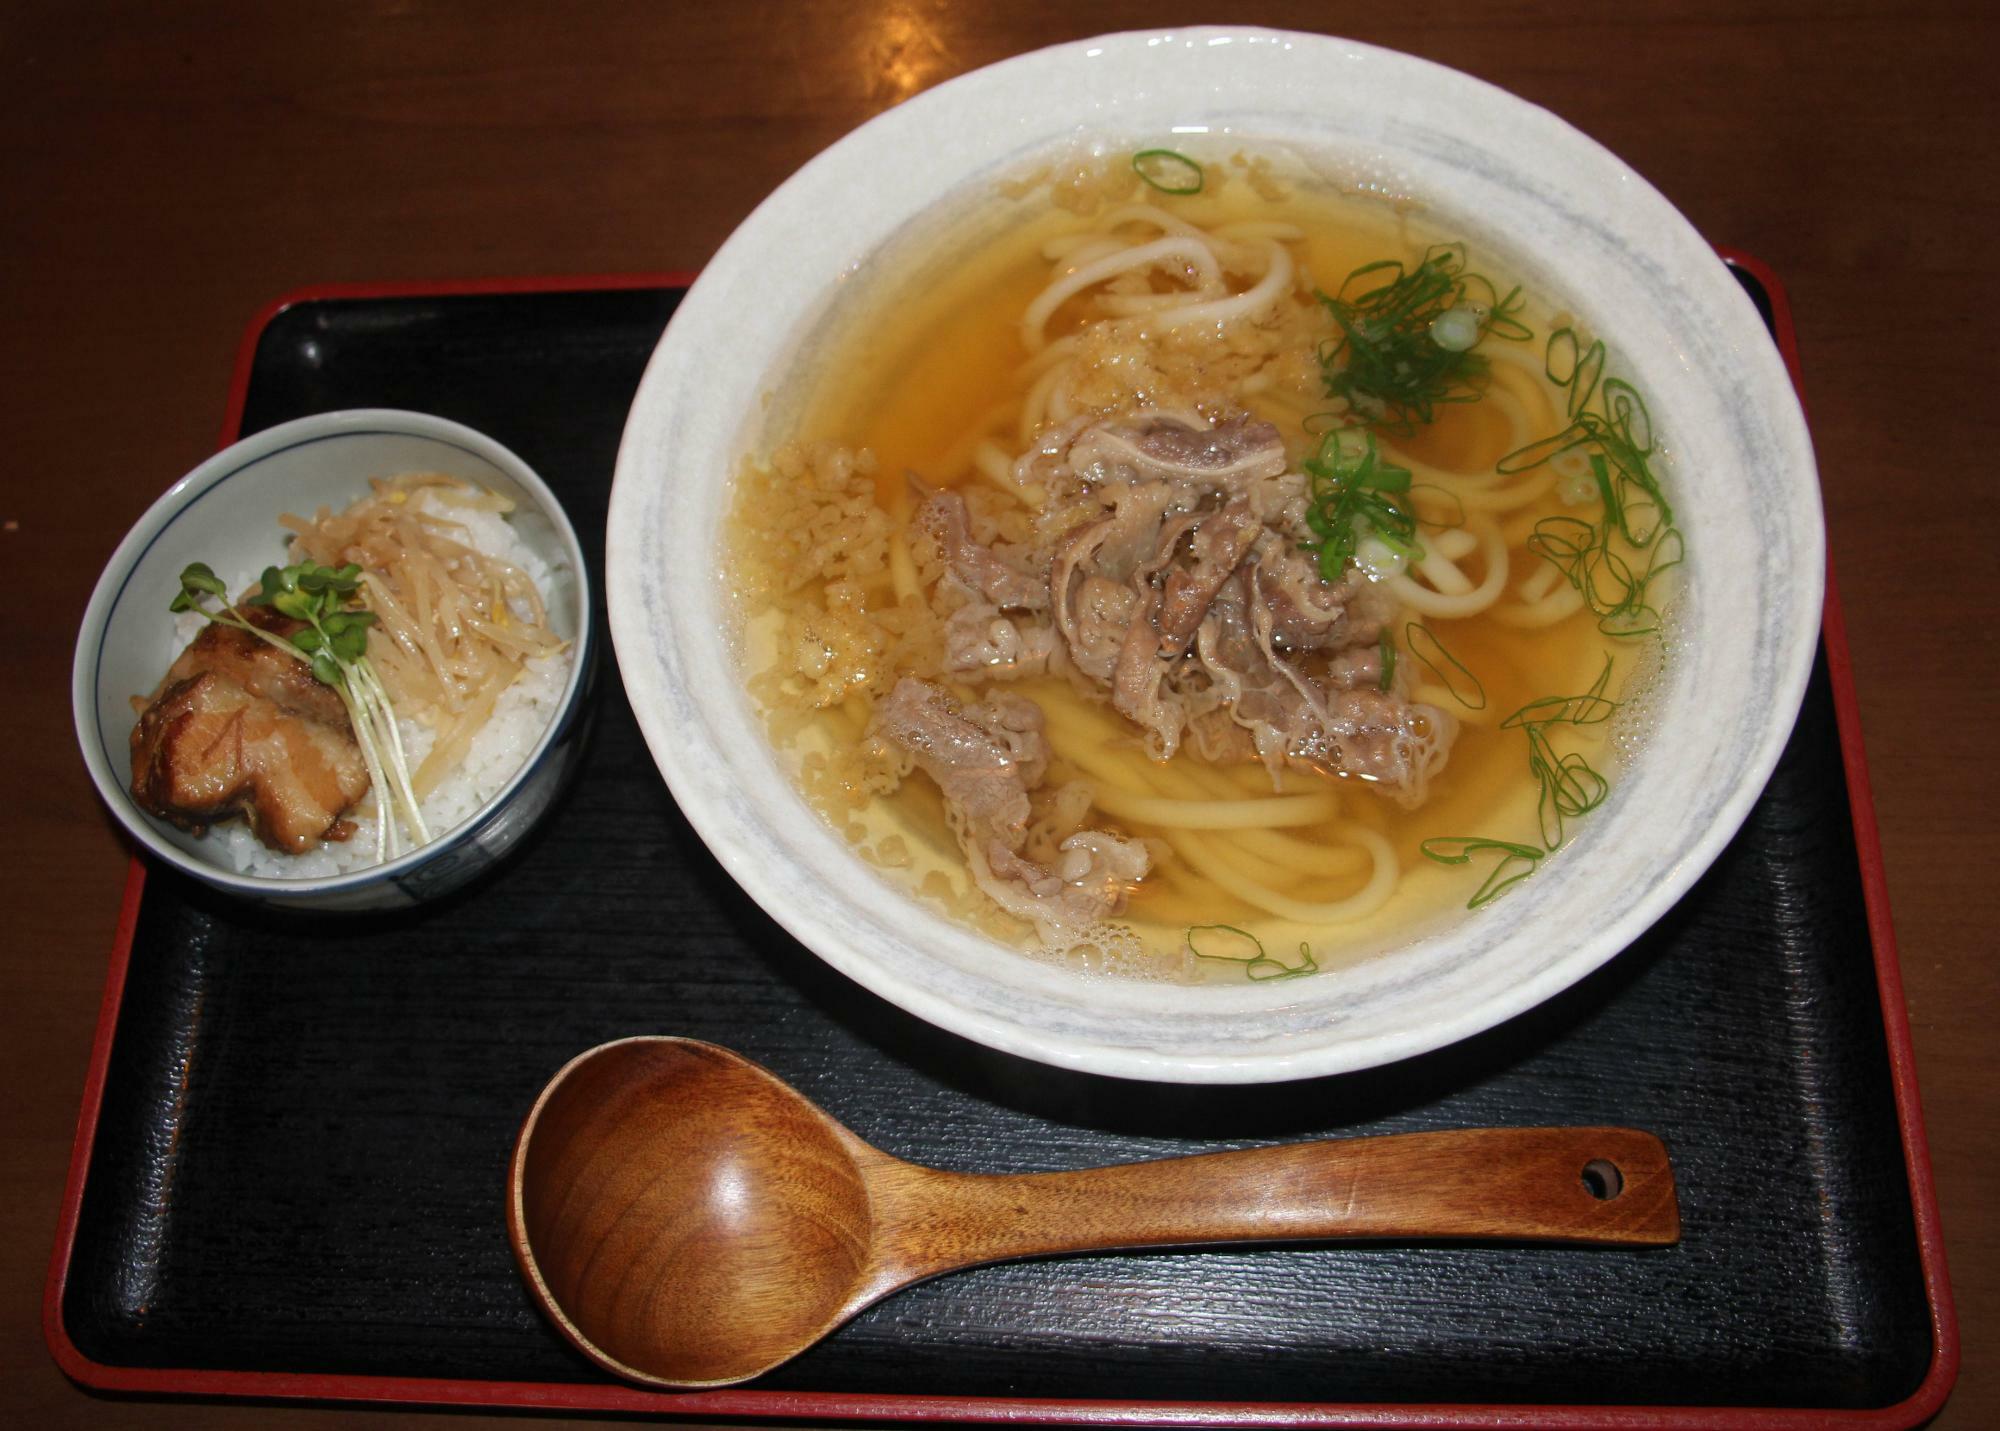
x: 933, y: 376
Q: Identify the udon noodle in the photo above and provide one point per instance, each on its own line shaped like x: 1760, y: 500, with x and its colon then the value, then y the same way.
x: 1097, y: 597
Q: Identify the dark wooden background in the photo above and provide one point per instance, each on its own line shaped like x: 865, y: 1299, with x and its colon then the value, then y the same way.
x: 165, y: 171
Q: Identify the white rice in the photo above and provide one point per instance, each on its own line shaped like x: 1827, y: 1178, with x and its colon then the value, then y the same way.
x: 519, y: 717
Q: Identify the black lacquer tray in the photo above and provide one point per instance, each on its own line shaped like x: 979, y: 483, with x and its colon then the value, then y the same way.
x: 290, y: 1170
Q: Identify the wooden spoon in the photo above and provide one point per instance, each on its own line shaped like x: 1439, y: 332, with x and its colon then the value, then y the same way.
x: 689, y: 1220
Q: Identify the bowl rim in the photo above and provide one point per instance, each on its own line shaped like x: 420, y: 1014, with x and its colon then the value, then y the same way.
x: 229, y: 462
x: 722, y: 826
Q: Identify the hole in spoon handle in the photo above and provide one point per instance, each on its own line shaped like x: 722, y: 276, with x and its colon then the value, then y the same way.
x: 1603, y: 1179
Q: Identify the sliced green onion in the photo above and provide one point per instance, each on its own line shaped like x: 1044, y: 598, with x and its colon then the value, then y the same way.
x: 1354, y: 494
x: 1608, y: 421
x: 1442, y: 664
x: 1257, y: 965
x: 1517, y: 862
x: 1407, y: 337
x: 1168, y: 170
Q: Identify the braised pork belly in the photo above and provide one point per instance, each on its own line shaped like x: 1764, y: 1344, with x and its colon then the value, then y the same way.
x: 239, y: 729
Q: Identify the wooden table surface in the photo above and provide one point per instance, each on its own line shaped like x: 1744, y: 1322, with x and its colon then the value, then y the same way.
x: 169, y: 169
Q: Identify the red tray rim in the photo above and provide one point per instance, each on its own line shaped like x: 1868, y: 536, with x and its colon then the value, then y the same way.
x: 1922, y: 1403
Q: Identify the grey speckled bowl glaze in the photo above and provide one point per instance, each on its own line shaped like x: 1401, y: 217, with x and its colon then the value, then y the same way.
x: 1568, y: 213
x: 225, y: 513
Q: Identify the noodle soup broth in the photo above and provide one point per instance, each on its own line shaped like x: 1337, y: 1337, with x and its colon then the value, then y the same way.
x: 950, y: 385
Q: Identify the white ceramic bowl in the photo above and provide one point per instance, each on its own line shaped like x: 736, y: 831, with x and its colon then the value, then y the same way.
x: 1510, y: 175
x: 225, y: 513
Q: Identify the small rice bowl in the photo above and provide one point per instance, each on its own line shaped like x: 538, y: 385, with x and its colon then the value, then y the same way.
x: 509, y: 735
x: 228, y: 512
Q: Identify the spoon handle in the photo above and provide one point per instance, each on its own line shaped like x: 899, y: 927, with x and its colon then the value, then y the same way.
x: 1575, y: 1185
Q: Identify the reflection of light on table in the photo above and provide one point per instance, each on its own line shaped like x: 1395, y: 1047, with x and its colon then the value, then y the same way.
x: 902, y: 50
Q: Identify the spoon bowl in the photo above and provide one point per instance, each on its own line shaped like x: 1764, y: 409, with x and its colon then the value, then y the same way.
x: 684, y: 1216
x: 687, y: 1219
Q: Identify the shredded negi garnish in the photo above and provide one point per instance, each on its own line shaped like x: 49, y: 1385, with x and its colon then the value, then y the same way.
x: 1355, y: 494
x: 1612, y: 562
x: 1168, y: 170
x: 1449, y: 670
x: 1408, y: 334
x: 1407, y: 346
x: 1257, y: 965
x: 1570, y: 787
x: 1517, y: 862
x: 333, y: 641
